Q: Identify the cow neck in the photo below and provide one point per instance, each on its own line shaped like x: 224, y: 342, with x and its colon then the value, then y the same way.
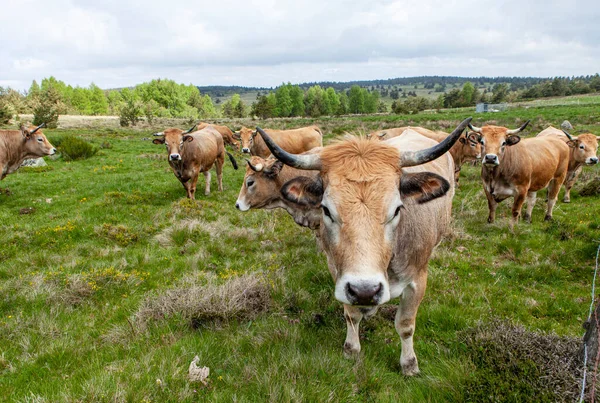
x: 259, y: 147
x: 573, y: 165
x: 458, y: 160
x: 14, y: 148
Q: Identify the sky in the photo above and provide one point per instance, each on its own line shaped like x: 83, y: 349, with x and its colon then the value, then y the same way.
x: 120, y: 43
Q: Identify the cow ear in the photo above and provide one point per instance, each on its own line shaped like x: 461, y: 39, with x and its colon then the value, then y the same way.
x: 25, y: 132
x: 274, y: 169
x: 304, y: 191
x: 512, y: 140
x: 237, y: 135
x: 158, y: 141
x: 572, y: 143
x: 463, y: 140
x: 188, y: 138
x: 423, y: 186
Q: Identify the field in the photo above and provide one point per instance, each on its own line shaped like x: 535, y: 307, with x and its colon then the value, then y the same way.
x: 111, y: 282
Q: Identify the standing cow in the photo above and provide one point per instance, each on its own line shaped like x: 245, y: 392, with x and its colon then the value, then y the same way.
x: 294, y: 141
x: 19, y: 145
x: 225, y: 131
x: 192, y: 153
x: 583, y: 151
x: 385, y: 206
x: 519, y: 168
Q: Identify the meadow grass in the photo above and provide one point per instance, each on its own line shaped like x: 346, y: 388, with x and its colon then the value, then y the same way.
x: 108, y: 285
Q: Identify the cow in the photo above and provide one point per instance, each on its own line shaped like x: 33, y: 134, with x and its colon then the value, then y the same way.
x: 225, y: 131
x: 385, y: 206
x: 294, y: 141
x: 262, y: 186
x: 191, y: 153
x: 583, y: 151
x: 19, y: 145
x: 468, y: 147
x: 517, y: 168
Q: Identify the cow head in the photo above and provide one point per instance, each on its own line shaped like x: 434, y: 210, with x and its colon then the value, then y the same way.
x: 360, y: 189
x: 174, y: 139
x: 494, y: 140
x: 585, y: 148
x: 470, y: 146
x: 36, y: 142
x: 247, y: 139
x: 260, y: 185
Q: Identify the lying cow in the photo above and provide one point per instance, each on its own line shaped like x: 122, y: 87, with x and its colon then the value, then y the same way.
x: 294, y: 141
x: 225, y: 131
x: 467, y: 148
x: 19, y: 145
x: 385, y: 206
x: 191, y: 153
x: 519, y: 168
x: 583, y: 151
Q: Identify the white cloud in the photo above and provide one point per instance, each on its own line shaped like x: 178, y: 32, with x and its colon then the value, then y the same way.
x: 263, y: 43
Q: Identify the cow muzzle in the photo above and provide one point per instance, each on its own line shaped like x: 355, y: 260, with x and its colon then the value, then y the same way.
x: 53, y: 151
x: 362, y: 291
x: 246, y: 150
x: 591, y: 161
x: 491, y: 159
x: 175, y: 157
x: 241, y: 205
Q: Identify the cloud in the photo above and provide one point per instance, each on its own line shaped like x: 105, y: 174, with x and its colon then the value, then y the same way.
x: 263, y: 43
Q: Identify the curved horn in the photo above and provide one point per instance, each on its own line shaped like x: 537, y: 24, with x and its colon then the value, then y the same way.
x: 520, y: 129
x: 475, y: 128
x: 307, y: 162
x: 159, y: 134
x: 37, y: 128
x: 568, y: 135
x: 256, y: 168
x: 381, y: 134
x: 412, y: 158
x: 191, y: 129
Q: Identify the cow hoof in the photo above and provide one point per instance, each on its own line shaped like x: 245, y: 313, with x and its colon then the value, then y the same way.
x: 548, y: 218
x: 410, y: 367
x: 351, y: 351
x: 566, y: 200
x: 490, y: 220
x: 527, y: 218
x: 206, y: 193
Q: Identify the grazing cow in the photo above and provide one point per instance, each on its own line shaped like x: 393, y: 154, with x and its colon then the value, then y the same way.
x: 225, y: 131
x: 467, y: 148
x: 385, y: 206
x: 519, y: 168
x: 583, y: 151
x: 262, y: 186
x: 294, y: 141
x: 192, y: 153
x: 18, y: 145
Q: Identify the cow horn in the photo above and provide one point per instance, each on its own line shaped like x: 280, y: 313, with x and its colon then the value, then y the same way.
x: 520, y: 129
x: 191, y: 129
x: 568, y: 135
x: 256, y: 168
x: 159, y: 134
x: 381, y: 134
x: 37, y: 128
x: 412, y: 158
x: 307, y: 162
x: 475, y: 128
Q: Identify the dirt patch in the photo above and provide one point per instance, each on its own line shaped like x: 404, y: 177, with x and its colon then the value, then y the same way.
x: 591, y: 188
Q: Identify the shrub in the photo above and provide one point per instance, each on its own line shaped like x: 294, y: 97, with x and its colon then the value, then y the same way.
x: 73, y: 148
x: 47, y: 107
x: 130, y: 113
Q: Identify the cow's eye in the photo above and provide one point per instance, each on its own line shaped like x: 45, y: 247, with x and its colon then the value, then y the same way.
x: 503, y: 143
x: 582, y: 147
x: 327, y: 213
x: 397, y: 212
x: 40, y: 140
x: 250, y: 182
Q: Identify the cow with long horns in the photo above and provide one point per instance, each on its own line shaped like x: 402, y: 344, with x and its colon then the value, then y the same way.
x: 294, y: 141
x: 192, y: 152
x: 583, y: 150
x: 19, y: 145
x: 519, y: 168
x: 385, y: 206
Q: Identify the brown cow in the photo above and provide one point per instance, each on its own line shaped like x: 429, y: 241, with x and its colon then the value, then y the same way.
x: 18, y: 145
x: 385, y: 206
x: 262, y: 186
x: 583, y: 151
x: 225, y: 131
x: 468, y: 147
x: 294, y: 141
x: 192, y: 153
x: 519, y: 168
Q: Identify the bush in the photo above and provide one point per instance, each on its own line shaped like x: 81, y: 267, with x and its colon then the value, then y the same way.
x: 47, y: 107
x: 130, y: 113
x: 73, y: 148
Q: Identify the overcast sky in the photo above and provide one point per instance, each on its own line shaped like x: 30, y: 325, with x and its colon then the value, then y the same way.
x: 118, y: 43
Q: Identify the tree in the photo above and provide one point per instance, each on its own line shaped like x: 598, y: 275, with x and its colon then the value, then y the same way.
x: 284, y: 101
x: 333, y: 100
x: 48, y: 106
x: 297, y: 96
x: 131, y: 109
x: 467, y: 94
x: 356, y: 99
x: 263, y: 108
x: 80, y: 101
x: 98, y: 102
x: 500, y: 92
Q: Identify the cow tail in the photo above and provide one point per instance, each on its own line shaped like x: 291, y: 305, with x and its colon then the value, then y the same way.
x: 233, y: 162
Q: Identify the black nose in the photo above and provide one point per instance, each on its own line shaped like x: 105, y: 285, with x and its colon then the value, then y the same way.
x: 594, y: 160
x: 364, y: 294
x: 237, y: 206
x: 174, y: 156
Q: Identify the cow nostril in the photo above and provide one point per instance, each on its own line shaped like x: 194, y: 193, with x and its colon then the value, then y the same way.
x: 364, y: 294
x: 237, y: 206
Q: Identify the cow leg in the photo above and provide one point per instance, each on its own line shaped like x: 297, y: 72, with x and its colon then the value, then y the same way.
x: 207, y: 182
x: 531, y: 196
x: 553, y: 189
x: 353, y: 316
x: 405, y: 323
x: 192, y: 187
x: 186, y: 186
x: 518, y: 205
x: 570, y: 181
x: 219, y: 167
x: 492, y: 204
x: 456, y: 176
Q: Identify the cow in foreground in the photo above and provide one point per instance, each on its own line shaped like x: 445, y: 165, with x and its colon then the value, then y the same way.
x: 191, y: 153
x: 295, y: 141
x: 225, y: 131
x: 583, y: 150
x: 19, y: 145
x: 519, y: 168
x: 385, y: 206
x: 467, y: 148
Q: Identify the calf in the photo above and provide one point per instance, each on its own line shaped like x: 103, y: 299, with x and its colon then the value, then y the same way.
x: 18, y: 145
x: 192, y: 153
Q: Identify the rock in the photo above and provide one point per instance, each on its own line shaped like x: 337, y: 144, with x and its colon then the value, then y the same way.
x: 32, y: 163
x: 566, y: 125
x: 27, y: 210
x: 196, y: 373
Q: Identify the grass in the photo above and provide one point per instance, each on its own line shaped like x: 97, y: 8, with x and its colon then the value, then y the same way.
x: 114, y: 282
